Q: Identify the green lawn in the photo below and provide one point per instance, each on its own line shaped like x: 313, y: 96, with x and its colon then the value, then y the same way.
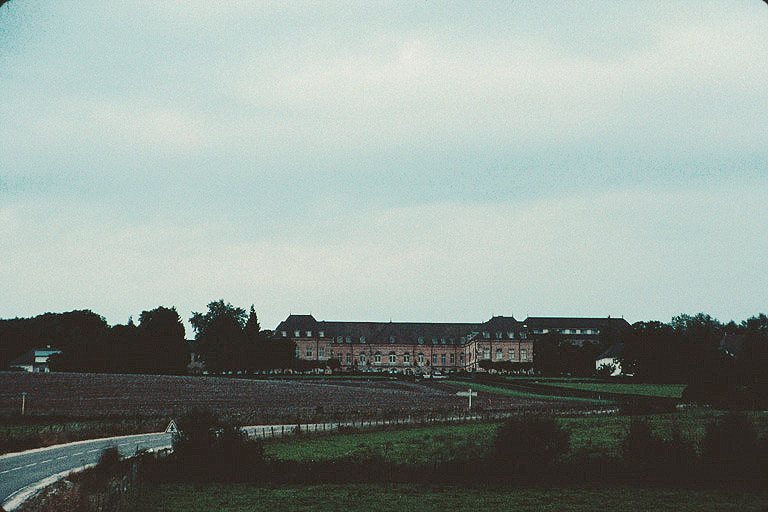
x: 418, y: 445
x: 436, y: 443
x: 657, y: 390
x: 519, y: 394
x: 21, y: 436
x: 416, y: 498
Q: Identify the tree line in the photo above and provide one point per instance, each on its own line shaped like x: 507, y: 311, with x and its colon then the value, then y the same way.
x: 229, y: 338
x: 226, y: 338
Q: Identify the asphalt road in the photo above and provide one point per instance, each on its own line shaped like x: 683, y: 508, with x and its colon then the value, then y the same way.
x: 19, y: 470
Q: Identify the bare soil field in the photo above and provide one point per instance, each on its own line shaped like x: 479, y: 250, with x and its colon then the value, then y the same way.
x: 103, y: 395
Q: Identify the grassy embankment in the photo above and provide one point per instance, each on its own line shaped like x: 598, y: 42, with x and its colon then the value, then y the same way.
x: 440, y: 443
x: 621, y: 388
x: 20, y: 434
x: 521, y: 394
x: 237, y: 498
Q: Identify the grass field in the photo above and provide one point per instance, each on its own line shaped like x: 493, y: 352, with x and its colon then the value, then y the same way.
x: 520, y: 394
x: 418, y: 445
x: 443, y: 442
x: 17, y: 434
x: 655, y: 390
x: 241, y: 498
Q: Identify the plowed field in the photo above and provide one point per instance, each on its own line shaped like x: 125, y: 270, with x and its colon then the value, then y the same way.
x: 100, y: 395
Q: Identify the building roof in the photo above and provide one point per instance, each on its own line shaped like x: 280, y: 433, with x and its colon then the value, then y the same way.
x: 559, y: 322
x: 28, y: 357
x: 613, y: 352
x: 733, y: 344
x: 429, y: 333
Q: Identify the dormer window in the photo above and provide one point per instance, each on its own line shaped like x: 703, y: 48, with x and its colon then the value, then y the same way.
x: 511, y: 335
x: 391, y: 339
x: 421, y: 340
x: 434, y: 341
x: 362, y: 339
x: 285, y: 334
x: 296, y: 334
x: 340, y: 339
x: 442, y: 341
x: 498, y: 335
x: 349, y: 339
x: 486, y: 335
x: 321, y: 334
x: 309, y: 334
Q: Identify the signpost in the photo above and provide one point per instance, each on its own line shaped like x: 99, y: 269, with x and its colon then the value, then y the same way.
x: 469, y: 394
x: 172, y: 428
x: 23, y: 401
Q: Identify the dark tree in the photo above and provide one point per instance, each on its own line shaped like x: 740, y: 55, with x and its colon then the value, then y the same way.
x: 220, y: 333
x: 163, y: 348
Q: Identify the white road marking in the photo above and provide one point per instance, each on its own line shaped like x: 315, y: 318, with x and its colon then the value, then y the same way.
x: 30, y: 465
x: 46, y: 460
x: 62, y: 457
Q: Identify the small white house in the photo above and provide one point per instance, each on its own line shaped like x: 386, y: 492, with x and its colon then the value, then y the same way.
x: 35, y: 360
x: 611, y: 358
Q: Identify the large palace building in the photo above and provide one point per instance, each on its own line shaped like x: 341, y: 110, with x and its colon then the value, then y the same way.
x: 427, y: 347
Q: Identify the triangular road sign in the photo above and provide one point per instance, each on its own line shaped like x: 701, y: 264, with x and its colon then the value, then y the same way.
x: 172, y: 428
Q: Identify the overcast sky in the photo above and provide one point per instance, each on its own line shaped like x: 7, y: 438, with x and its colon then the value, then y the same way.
x: 413, y: 161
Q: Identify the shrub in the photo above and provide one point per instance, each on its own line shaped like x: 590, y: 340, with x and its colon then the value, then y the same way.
x: 730, y: 448
x: 529, y: 443
x: 207, y: 449
x: 648, y: 457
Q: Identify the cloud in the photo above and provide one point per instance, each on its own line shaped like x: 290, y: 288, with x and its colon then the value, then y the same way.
x: 641, y: 253
x: 427, y: 161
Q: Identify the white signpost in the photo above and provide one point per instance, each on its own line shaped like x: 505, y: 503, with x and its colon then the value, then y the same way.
x: 470, y: 394
x: 172, y: 428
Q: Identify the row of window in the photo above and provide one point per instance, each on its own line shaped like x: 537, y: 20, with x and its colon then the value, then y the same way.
x: 420, y: 358
x: 486, y: 354
x: 442, y: 341
x: 500, y: 335
x: 566, y: 331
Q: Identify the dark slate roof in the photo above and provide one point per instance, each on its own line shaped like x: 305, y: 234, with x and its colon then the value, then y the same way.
x: 298, y: 322
x: 502, y: 324
x: 380, y: 332
x: 614, y: 351
x: 402, y: 332
x: 28, y: 357
x: 558, y: 322
x: 733, y: 344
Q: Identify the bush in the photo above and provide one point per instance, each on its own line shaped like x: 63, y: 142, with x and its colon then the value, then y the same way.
x: 648, y: 457
x: 730, y: 448
x: 109, y: 458
x: 529, y: 443
x: 207, y: 449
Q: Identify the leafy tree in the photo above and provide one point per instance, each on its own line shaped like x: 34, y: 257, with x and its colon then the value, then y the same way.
x: 756, y: 324
x: 163, y: 346
x: 220, y: 333
x: 652, y: 328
